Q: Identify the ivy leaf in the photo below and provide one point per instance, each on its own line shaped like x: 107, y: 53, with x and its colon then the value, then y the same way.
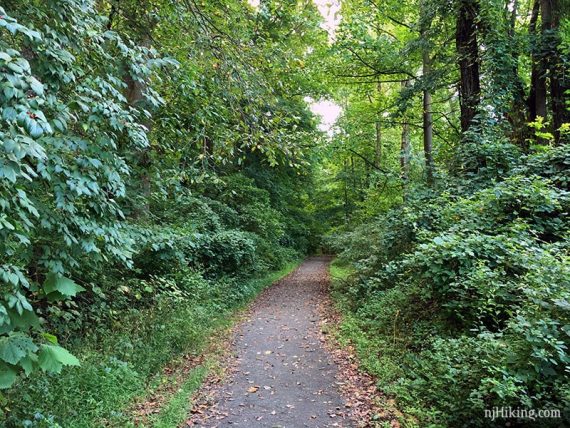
x: 52, y: 358
x: 65, y: 286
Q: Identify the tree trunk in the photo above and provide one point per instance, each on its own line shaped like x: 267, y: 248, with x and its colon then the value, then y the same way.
x: 425, y: 25
x: 207, y: 151
x: 554, y: 64
x: 378, y: 146
x: 535, y: 70
x: 135, y: 97
x: 537, y: 98
x: 518, y: 112
x: 536, y: 101
x: 346, y: 201
x: 427, y: 118
x: 405, y: 144
x: 355, y: 190
x: 468, y: 52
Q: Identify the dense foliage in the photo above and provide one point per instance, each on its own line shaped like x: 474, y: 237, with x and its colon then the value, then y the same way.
x: 455, y: 205
x: 470, y: 290
x: 151, y: 157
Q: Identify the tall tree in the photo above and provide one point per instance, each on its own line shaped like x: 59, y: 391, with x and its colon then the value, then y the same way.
x: 468, y: 58
x: 378, y: 131
x: 427, y: 117
x: 537, y: 96
x: 405, y: 144
x: 557, y: 68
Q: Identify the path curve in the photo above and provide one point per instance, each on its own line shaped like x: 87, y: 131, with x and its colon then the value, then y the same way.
x: 283, y: 377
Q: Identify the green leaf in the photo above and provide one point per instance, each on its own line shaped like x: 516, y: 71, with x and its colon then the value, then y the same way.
x: 9, y: 92
x: 25, y: 320
x: 15, y: 347
x: 27, y: 363
x: 438, y: 241
x: 50, y: 338
x: 52, y: 358
x: 7, y: 376
x: 34, y: 128
x: 36, y: 86
x: 57, y: 283
x: 15, y: 68
x: 8, y: 171
x: 9, y: 113
x: 59, y: 125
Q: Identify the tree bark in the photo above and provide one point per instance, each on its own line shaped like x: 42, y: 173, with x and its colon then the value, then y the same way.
x: 468, y: 52
x: 554, y: 64
x: 539, y: 75
x: 346, y: 201
x: 135, y: 97
x: 378, y: 126
x: 536, y: 102
x: 518, y: 111
x: 405, y: 144
x: 427, y: 117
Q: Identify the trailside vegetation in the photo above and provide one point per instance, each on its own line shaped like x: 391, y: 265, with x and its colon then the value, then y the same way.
x: 154, y: 171
x: 451, y: 180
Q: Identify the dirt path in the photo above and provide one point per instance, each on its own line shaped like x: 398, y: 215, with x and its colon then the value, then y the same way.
x: 282, y: 375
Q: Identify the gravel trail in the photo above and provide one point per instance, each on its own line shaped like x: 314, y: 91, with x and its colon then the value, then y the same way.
x: 282, y: 375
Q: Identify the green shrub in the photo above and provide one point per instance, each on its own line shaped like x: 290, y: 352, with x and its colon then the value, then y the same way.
x: 469, y: 289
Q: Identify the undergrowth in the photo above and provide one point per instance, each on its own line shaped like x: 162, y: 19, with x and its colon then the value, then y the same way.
x: 458, y: 301
x: 125, y: 362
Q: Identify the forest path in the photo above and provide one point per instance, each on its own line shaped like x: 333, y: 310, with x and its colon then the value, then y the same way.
x: 282, y: 377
